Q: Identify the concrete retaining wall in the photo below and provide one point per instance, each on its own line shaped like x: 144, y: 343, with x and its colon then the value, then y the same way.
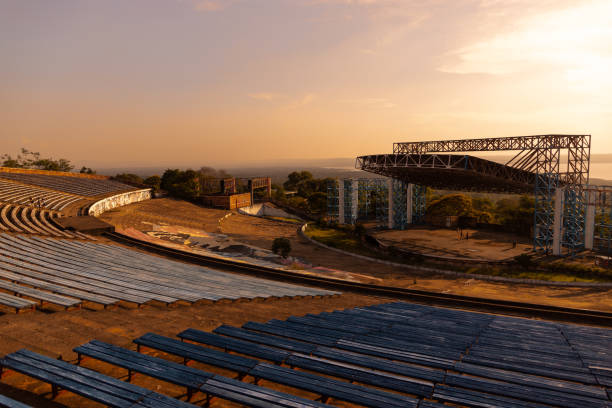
x: 119, y: 200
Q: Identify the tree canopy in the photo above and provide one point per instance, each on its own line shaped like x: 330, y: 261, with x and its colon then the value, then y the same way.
x: 32, y: 160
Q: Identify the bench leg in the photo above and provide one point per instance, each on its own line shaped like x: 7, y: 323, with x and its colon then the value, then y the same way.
x: 129, y: 377
x: 207, y: 402
x: 79, y: 358
x: 189, y: 394
x: 54, y: 391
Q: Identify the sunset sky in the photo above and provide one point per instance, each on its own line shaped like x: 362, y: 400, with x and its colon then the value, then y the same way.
x: 228, y: 82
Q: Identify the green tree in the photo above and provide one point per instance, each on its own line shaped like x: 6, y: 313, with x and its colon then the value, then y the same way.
x: 128, y: 178
x: 281, y: 246
x: 31, y: 160
x: 449, y: 205
x: 296, y: 177
x: 87, y: 170
x: 153, y: 182
x: 181, y: 184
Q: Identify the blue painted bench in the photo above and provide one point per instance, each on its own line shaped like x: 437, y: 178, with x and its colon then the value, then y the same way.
x: 525, y: 393
x: 274, y: 341
x: 6, y: 402
x: 477, y: 399
x: 531, y: 380
x: 362, y: 375
x: 254, y: 396
x: 292, y: 334
x: 239, y: 364
x: 191, y: 378
x: 87, y: 383
x: 410, y: 370
x: 238, y: 346
x: 330, y: 388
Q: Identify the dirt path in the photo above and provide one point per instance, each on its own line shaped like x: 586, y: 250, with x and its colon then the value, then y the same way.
x: 261, y: 232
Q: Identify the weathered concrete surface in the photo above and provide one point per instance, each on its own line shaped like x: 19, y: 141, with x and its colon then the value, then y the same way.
x: 265, y: 209
x: 119, y: 200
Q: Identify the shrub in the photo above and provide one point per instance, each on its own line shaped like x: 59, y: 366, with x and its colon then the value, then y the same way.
x: 524, y: 261
x: 281, y: 246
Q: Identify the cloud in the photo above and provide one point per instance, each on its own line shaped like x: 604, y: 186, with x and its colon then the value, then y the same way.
x: 370, y: 102
x: 305, y: 100
x: 207, y: 6
x: 574, y: 41
x: 264, y: 96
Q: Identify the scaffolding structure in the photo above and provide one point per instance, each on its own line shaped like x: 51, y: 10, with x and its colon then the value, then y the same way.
x: 393, y: 203
x: 419, y: 204
x: 600, y: 206
x: 554, y: 167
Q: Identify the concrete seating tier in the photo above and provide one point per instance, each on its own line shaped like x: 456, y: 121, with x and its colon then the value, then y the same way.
x: 35, y: 197
x: 32, y: 220
x: 107, y: 274
x: 67, y: 184
x: 388, y: 355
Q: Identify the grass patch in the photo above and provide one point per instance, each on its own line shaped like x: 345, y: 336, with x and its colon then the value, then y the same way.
x: 285, y: 219
x: 518, y: 273
x: 344, y: 240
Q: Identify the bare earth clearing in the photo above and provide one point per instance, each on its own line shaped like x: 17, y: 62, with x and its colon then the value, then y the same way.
x: 261, y: 232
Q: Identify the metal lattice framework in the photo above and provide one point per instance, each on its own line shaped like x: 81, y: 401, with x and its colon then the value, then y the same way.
x: 537, y: 166
x: 602, y: 236
x: 419, y: 204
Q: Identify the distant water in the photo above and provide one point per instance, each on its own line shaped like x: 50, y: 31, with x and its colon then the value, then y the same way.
x: 601, y: 171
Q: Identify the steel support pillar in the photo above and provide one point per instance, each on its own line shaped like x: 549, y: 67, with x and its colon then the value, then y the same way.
x: 589, y: 222
x: 354, y: 200
x: 558, y: 221
x: 390, y: 204
x: 409, y: 202
x: 341, y: 219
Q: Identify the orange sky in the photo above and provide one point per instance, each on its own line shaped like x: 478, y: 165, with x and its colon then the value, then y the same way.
x: 218, y: 82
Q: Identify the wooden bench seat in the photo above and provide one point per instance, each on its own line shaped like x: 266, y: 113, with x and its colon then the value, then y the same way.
x: 330, y: 388
x: 6, y: 402
x: 15, y: 302
x: 43, y: 281
x: 531, y: 380
x: 239, y: 364
x: 477, y: 399
x: 239, y: 346
x: 191, y: 378
x: 40, y: 295
x: 362, y: 375
x: 279, y: 342
x: 292, y: 334
x: 394, y: 354
x: 382, y: 364
x: 251, y: 395
x: 87, y: 383
x: 525, y: 393
x: 158, y: 368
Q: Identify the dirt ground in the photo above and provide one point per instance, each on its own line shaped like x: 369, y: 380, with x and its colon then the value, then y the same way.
x: 467, y: 243
x: 57, y: 333
x: 261, y: 232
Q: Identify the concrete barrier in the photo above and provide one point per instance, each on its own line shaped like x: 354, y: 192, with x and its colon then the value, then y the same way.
x: 263, y: 210
x: 119, y: 200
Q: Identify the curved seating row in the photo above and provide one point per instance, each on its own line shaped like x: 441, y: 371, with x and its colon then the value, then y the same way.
x: 107, y: 274
x: 36, y: 197
x: 32, y: 220
x: 68, y: 184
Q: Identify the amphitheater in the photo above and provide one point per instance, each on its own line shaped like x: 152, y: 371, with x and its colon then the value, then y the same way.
x: 86, y: 321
